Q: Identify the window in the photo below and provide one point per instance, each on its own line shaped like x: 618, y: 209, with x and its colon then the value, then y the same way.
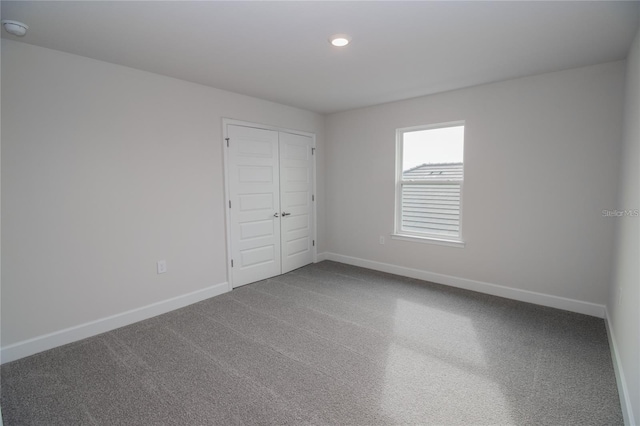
x: 430, y: 171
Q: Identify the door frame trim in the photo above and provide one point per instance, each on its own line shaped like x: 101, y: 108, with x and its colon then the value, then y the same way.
x: 227, y: 195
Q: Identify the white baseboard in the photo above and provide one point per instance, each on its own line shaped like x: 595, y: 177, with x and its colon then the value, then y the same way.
x: 321, y: 256
x: 566, y: 304
x: 623, y: 392
x: 62, y: 337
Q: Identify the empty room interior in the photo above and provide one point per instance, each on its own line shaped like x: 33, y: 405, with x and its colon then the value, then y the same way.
x: 341, y: 213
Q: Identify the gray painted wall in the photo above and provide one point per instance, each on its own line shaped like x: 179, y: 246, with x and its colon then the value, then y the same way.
x: 541, y: 162
x: 106, y: 170
x: 624, y: 301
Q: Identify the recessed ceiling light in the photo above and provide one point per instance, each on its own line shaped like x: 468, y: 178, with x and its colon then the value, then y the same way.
x: 14, y: 27
x: 339, y: 40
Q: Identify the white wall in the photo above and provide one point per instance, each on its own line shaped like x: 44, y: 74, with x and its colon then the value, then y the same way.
x: 624, y: 301
x: 106, y: 170
x: 541, y: 158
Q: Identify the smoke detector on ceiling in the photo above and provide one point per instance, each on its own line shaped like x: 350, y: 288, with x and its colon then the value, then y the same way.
x: 14, y: 27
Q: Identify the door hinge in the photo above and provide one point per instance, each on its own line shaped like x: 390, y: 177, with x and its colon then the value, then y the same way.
x: 232, y: 263
x: 229, y: 203
x: 227, y: 139
x: 313, y: 197
x: 313, y: 151
x: 314, y: 243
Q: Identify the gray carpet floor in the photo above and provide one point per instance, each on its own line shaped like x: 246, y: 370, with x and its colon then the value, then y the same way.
x: 328, y: 344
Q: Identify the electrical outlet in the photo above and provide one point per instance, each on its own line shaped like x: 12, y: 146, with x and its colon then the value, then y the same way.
x: 162, y: 266
x: 381, y: 239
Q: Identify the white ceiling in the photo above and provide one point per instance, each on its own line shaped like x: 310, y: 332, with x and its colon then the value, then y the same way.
x: 279, y: 50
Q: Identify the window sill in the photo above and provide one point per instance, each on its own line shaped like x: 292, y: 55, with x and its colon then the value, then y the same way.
x: 428, y: 240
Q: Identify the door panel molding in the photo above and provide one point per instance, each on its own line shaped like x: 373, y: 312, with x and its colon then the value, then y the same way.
x: 253, y: 172
x: 255, y: 248
x: 296, y: 191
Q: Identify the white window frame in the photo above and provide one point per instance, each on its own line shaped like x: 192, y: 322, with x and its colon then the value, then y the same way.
x: 421, y: 237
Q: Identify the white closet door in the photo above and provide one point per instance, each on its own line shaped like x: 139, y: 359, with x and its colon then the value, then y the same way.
x: 296, y: 191
x: 254, y: 192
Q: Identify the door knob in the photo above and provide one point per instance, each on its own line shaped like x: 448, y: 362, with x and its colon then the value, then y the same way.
x: 275, y: 214
x: 285, y: 214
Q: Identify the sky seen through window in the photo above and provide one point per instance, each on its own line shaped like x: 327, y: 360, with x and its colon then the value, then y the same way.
x: 433, y: 146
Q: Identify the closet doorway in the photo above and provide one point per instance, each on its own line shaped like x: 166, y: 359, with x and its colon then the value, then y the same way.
x: 270, y: 201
